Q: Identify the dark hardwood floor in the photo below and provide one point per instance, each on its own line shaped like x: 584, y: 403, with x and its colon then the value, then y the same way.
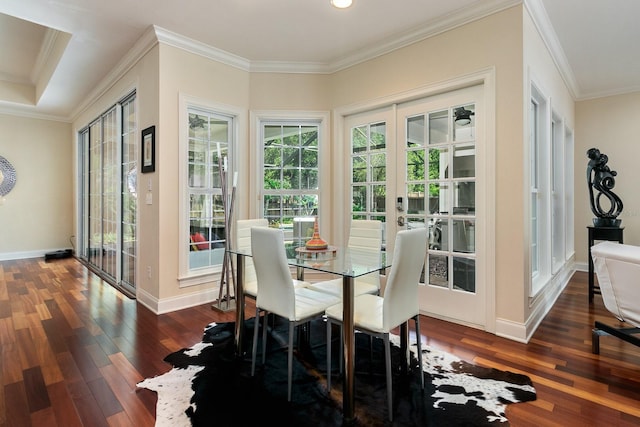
x: 73, y: 349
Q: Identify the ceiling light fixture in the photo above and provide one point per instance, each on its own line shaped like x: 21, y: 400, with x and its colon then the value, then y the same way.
x: 462, y: 116
x: 341, y: 4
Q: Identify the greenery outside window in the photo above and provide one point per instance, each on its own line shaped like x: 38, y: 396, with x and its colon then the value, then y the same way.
x: 291, y: 181
x: 369, y: 172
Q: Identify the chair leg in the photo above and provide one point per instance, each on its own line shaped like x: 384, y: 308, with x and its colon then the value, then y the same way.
x: 264, y: 337
x: 341, y: 354
x: 419, y: 343
x: 387, y: 358
x: 328, y: 356
x: 256, y: 326
x: 292, y: 327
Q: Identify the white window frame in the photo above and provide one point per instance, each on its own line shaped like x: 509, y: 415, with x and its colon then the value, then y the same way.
x: 316, y: 118
x: 186, y: 276
x: 557, y: 197
x: 569, y: 193
x: 540, y: 189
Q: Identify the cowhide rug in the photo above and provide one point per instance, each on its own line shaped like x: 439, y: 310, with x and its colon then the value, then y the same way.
x: 210, y: 386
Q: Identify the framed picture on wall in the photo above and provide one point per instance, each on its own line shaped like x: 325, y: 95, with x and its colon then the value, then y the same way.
x: 149, y: 149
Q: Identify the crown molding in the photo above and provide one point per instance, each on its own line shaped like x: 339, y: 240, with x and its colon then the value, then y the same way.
x: 181, y: 42
x: 541, y: 20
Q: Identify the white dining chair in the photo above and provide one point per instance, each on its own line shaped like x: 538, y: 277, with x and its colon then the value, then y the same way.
x: 378, y: 315
x: 278, y: 295
x: 365, y: 240
x: 243, y: 242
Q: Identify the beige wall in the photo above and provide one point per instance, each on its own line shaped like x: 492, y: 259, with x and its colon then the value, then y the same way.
x: 37, y: 215
x: 608, y: 124
x: 186, y: 74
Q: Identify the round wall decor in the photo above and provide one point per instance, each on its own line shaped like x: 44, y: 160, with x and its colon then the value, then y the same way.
x: 7, y: 176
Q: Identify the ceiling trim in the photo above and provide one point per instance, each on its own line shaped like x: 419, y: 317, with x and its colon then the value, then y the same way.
x: 176, y: 40
x: 543, y: 24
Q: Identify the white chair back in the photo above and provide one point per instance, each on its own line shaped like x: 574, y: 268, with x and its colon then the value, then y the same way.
x: 401, y: 290
x: 365, y: 234
x: 618, y: 269
x: 243, y: 241
x: 275, y: 285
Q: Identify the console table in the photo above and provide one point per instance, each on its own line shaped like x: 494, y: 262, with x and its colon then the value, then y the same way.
x: 600, y: 233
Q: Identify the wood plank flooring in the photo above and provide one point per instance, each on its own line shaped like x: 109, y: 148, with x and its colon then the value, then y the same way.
x: 73, y: 349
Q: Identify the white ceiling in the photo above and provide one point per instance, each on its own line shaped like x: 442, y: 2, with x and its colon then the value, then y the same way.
x: 59, y: 51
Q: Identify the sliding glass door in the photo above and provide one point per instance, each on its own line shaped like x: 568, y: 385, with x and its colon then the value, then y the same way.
x: 108, y: 162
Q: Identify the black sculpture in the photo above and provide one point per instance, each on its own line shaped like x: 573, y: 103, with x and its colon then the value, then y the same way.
x: 601, y: 178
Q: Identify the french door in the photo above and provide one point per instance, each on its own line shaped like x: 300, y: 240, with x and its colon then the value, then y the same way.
x: 415, y: 164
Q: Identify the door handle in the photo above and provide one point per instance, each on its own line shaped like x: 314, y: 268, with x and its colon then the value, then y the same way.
x: 401, y: 221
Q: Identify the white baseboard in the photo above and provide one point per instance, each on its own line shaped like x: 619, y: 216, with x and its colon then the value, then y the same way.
x: 39, y: 253
x: 179, y: 302
x: 541, y: 305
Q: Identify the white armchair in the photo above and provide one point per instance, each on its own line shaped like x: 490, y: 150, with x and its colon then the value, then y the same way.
x: 618, y: 269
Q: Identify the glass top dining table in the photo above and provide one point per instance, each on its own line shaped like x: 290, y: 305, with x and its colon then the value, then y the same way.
x: 349, y: 263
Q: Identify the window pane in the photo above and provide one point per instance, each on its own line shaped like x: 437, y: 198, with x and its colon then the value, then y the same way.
x: 359, y: 198
x: 416, y: 200
x: 290, y: 135
x: 416, y: 131
x: 465, y: 198
x: 272, y: 208
x: 439, y: 198
x: 379, y: 197
x: 310, y: 157
x: 197, y: 128
x: 463, y: 129
x: 439, y: 234
x: 464, y: 161
x: 439, y: 163
x: 378, y: 167
x: 415, y: 165
x: 438, y: 267
x: 291, y: 157
x: 359, y: 139
x: 378, y: 136
x: 309, y: 179
x: 359, y: 168
x: 272, y: 156
x: 197, y: 176
x: 291, y: 179
x: 439, y: 127
x: 309, y: 136
x: 464, y: 274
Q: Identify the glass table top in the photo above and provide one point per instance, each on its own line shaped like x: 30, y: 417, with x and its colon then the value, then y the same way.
x: 343, y: 261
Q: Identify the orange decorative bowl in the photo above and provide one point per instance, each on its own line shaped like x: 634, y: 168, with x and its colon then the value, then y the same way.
x: 316, y: 242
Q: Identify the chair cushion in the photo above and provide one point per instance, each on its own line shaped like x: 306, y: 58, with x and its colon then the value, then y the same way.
x: 251, y: 288
x: 334, y: 287
x: 311, y: 303
x: 367, y: 313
